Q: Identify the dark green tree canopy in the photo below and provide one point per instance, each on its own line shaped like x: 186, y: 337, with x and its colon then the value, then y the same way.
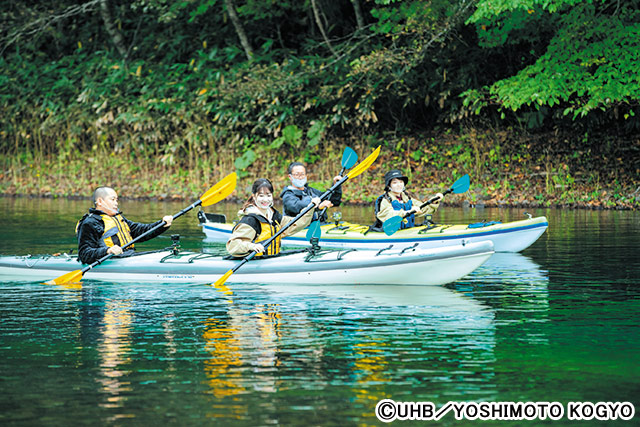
x: 244, y: 70
x: 587, y: 56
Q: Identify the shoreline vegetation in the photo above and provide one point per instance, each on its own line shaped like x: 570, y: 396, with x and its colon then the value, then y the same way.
x: 529, y: 174
x: 539, y: 102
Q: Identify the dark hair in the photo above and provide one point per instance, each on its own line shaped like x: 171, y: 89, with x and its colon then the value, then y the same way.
x: 293, y: 165
x: 258, y: 185
x: 395, y: 174
x: 261, y: 183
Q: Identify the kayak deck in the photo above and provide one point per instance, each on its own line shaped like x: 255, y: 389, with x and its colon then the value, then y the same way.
x: 513, y: 236
x: 413, y: 266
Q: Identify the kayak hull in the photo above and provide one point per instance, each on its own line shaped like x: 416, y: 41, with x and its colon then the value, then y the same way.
x: 512, y: 236
x: 395, y: 266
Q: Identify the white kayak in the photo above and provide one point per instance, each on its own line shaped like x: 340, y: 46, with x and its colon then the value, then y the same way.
x: 410, y: 266
x: 513, y: 236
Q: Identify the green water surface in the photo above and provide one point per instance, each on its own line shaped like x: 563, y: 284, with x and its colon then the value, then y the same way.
x: 556, y: 323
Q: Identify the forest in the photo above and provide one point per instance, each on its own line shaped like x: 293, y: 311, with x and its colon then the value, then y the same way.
x: 537, y: 100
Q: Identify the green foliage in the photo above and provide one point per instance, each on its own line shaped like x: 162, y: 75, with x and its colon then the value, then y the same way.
x: 590, y: 63
x: 493, y: 8
x: 316, y: 132
x: 185, y: 94
x: 245, y: 160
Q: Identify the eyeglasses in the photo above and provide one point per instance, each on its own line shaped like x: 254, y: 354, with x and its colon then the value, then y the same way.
x: 299, y: 175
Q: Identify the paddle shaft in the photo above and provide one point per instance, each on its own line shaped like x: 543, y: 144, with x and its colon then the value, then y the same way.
x: 434, y: 198
x: 145, y: 234
x: 428, y: 202
x: 392, y: 224
x: 460, y: 186
x: 325, y: 209
x: 310, y: 206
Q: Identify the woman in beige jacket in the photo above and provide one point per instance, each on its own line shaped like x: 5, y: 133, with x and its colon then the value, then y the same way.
x: 260, y: 221
x: 396, y: 200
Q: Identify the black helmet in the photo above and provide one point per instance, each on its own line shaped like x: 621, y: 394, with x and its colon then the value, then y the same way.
x: 394, y: 173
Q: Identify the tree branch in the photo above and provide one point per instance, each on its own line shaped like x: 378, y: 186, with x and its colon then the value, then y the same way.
x: 316, y: 15
x: 358, y: 11
x: 244, y: 40
x: 115, y: 35
x: 41, y: 24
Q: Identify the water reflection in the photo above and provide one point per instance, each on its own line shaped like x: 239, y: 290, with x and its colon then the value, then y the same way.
x: 224, y: 348
x: 557, y: 322
x: 435, y: 301
x: 114, y: 348
x: 170, y: 341
x: 518, y: 288
x: 324, y: 337
x: 511, y: 269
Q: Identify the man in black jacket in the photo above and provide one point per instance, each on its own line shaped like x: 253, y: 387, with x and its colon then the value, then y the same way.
x: 103, y: 230
x: 298, y: 195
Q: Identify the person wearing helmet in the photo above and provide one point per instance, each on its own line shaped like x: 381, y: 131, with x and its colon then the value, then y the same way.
x: 396, y: 200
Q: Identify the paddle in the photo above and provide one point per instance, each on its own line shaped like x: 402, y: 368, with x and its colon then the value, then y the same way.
x: 215, y: 194
x: 363, y: 166
x: 349, y: 158
x: 392, y: 225
x: 314, y: 230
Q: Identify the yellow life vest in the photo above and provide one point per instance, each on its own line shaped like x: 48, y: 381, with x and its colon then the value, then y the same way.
x: 265, y: 229
x: 268, y: 230
x: 115, y: 226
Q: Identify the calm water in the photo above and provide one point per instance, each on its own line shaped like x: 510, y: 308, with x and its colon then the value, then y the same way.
x: 559, y: 322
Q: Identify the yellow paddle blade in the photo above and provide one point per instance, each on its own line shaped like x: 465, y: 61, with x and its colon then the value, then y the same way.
x: 72, y: 286
x: 71, y: 277
x: 364, y: 165
x: 223, y: 279
x: 219, y: 191
x: 223, y: 289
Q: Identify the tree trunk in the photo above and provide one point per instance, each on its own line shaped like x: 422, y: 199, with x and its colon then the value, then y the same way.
x: 316, y: 14
x: 358, y: 10
x: 244, y: 40
x: 114, y: 33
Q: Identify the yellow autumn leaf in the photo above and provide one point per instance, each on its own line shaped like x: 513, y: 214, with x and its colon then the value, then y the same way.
x: 139, y: 70
x: 204, y: 44
x: 202, y: 91
x: 79, y: 45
